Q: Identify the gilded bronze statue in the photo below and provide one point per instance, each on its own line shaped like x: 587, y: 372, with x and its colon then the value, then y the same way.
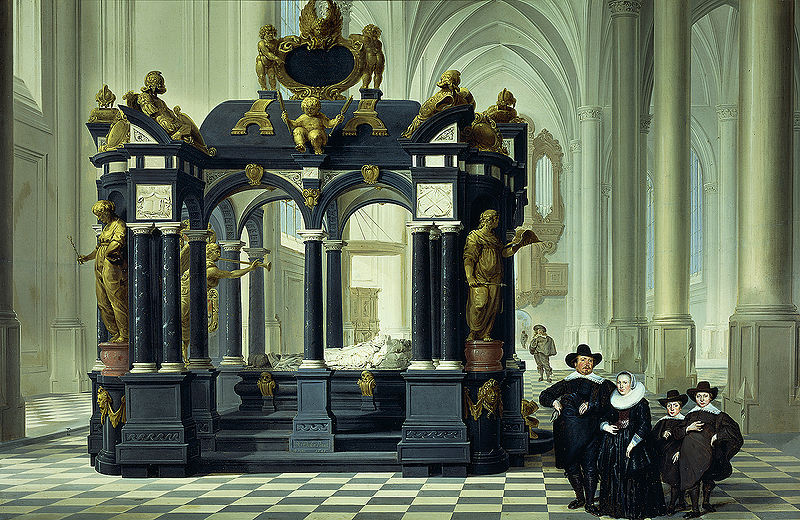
x: 371, y: 54
x: 311, y: 125
x: 449, y: 95
x: 483, y: 253
x: 504, y: 111
x: 111, y: 271
x: 267, y: 59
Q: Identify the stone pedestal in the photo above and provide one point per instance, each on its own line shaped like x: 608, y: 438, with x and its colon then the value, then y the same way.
x: 626, y: 341
x: 514, y: 434
x: 672, y: 355
x: 483, y: 356
x: 484, y: 410
x: 115, y: 358
x: 94, y: 440
x: 312, y: 427
x: 106, y: 460
x: 204, y: 407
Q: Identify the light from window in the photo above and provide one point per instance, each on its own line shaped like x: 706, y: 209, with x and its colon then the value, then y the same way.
x: 696, y: 230
x: 291, y: 221
x: 544, y: 186
x: 290, y: 24
x: 650, y: 236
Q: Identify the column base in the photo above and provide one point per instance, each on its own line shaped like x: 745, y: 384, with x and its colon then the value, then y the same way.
x: 712, y: 349
x: 514, y: 433
x: 417, y: 364
x: 762, y: 390
x: 627, y: 345
x: 313, y: 364
x: 237, y: 361
x: 144, y: 368
x: 169, y: 368
x: 98, y: 365
x: 204, y: 407
x: 671, y: 346
x: 312, y: 427
x: 67, y: 357
x: 12, y: 409
x: 200, y: 364
x: 447, y: 364
x: 227, y: 398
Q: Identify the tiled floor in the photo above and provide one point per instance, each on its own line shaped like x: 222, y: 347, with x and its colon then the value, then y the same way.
x: 52, y: 480
x: 56, y: 413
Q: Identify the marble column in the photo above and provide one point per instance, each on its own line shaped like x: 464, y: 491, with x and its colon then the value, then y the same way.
x: 313, y: 346
x: 198, y: 301
x: 435, y: 256
x: 708, y: 348
x: 12, y: 407
x: 590, y: 331
x: 672, y: 331
x: 450, y: 274
x: 233, y: 323
x: 641, y: 230
x: 102, y: 332
x: 142, y: 320
x: 256, y: 332
x: 575, y: 226
x: 763, y: 376
x: 334, y: 332
x: 796, y: 209
x: 420, y: 297
x: 627, y: 333
x: 171, y: 297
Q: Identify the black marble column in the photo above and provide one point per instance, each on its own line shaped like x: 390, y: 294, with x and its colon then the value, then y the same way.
x: 256, y: 332
x: 142, y: 322
x: 334, y: 333
x: 233, y: 324
x: 198, y: 306
x: 435, y: 256
x: 450, y: 275
x: 420, y: 297
x: 313, y: 346
x: 507, y: 317
x: 171, y: 297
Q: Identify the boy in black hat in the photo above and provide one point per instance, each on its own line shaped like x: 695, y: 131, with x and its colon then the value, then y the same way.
x: 711, y: 440
x: 580, y: 400
x: 668, y: 432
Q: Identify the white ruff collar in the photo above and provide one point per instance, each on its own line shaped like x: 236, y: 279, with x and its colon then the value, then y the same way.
x: 594, y: 378
x: 623, y: 402
x: 679, y: 417
x: 710, y: 408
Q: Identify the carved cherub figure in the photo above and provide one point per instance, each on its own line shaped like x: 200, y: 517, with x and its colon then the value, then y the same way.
x: 267, y: 59
x: 311, y: 125
x: 449, y: 95
x: 372, y: 52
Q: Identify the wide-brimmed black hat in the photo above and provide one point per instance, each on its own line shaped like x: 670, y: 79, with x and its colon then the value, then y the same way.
x: 703, y: 386
x: 674, y: 396
x: 583, y: 350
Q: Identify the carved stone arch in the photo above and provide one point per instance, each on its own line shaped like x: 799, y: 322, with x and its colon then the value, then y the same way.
x: 358, y: 204
x: 254, y: 223
x: 228, y: 220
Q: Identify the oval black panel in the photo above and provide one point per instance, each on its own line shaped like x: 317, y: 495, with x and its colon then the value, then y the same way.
x: 319, y: 68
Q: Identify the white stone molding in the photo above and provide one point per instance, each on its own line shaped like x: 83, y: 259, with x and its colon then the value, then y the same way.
x: 624, y: 7
x: 172, y: 368
x: 312, y: 364
x: 256, y: 253
x: 575, y: 145
x: 334, y: 245
x: 436, y: 233
x: 144, y: 368
x: 727, y: 112
x: 590, y: 113
x: 419, y: 227
x: 140, y: 136
x: 169, y: 228
x: 195, y: 235
x: 644, y: 123
x: 450, y: 227
x: 434, y: 200
x: 312, y: 234
x: 141, y: 228
x: 710, y: 187
x: 231, y: 245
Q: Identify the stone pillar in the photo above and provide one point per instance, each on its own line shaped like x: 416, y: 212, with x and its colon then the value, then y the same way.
x: 641, y: 230
x: 590, y: 251
x: 171, y: 297
x: 256, y: 332
x: 575, y: 226
x: 796, y: 209
x: 334, y: 333
x: 763, y: 377
x: 198, y: 304
x: 313, y: 346
x: 627, y: 333
x: 420, y: 297
x: 435, y: 256
x: 271, y: 241
x: 451, y: 274
x: 672, y: 332
x: 102, y: 333
x: 233, y: 325
x: 12, y: 407
x: 709, y: 346
x: 142, y: 319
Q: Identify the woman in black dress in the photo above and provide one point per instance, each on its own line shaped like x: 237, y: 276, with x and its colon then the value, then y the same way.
x: 630, y: 486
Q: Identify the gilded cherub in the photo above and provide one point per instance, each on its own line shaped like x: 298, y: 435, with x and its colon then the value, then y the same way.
x: 178, y: 125
x: 372, y: 54
x: 267, y: 59
x: 449, y: 95
x: 311, y: 125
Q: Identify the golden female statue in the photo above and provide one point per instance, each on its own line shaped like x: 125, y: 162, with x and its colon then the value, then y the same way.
x: 111, y: 271
x: 449, y: 95
x: 484, y: 269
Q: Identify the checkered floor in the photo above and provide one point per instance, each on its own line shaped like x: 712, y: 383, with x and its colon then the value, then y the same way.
x: 56, y: 413
x: 52, y: 480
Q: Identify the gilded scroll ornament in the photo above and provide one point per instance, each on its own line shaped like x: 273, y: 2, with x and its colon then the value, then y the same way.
x: 504, y: 111
x: 370, y: 173
x: 311, y: 196
x: 450, y: 95
x: 118, y: 135
x: 320, y: 33
x: 528, y: 408
x: 366, y: 383
x: 489, y: 399
x: 178, y: 125
x: 104, y: 113
x: 483, y: 135
x: 257, y: 115
x: 254, y: 172
x: 268, y: 59
x: 104, y: 404
x: 266, y: 384
x: 365, y: 114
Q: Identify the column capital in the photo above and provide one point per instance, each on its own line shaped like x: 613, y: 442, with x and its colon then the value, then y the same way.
x: 605, y: 189
x: 727, y: 112
x: 141, y: 228
x: 644, y: 123
x: 624, y: 7
x: 195, y: 235
x: 168, y: 228
x: 256, y: 252
x: 590, y: 113
x: 710, y: 187
x: 231, y: 245
x: 436, y: 233
x: 575, y: 145
x: 419, y: 227
x: 312, y: 235
x: 334, y: 245
x: 450, y: 227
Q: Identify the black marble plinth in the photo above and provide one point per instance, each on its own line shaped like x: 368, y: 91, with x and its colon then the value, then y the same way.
x: 267, y: 94
x: 310, y: 160
x: 434, y: 434
x: 106, y: 460
x: 488, y: 456
x: 370, y: 93
x: 228, y: 378
x: 204, y: 407
x: 159, y: 436
x: 94, y: 441
x: 542, y: 443
x: 515, y: 435
x: 312, y: 427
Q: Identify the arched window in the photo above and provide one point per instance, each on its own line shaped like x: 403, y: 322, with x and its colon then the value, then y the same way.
x: 291, y: 221
x: 650, y: 235
x: 290, y: 17
x: 696, y: 212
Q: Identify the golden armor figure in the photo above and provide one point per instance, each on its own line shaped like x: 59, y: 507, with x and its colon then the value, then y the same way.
x: 267, y: 59
x: 213, y: 275
x: 504, y: 111
x: 372, y: 54
x: 484, y: 270
x: 311, y: 125
x: 178, y: 125
x: 111, y: 271
x: 449, y: 95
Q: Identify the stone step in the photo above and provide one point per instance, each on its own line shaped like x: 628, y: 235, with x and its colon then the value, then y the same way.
x: 253, y: 440
x: 284, y: 461
x: 280, y: 420
x: 371, y: 442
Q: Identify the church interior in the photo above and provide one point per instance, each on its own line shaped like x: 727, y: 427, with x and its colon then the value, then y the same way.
x: 639, y: 157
